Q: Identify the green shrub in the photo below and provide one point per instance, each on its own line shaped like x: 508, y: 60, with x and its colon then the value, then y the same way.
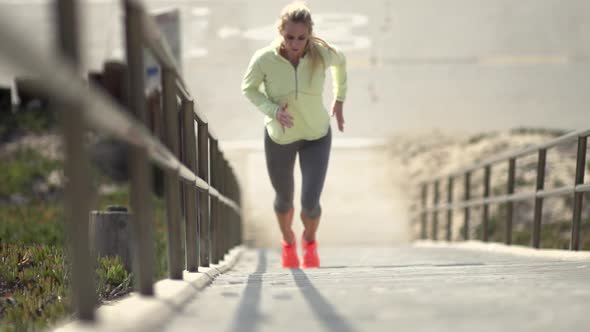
x: 113, y: 279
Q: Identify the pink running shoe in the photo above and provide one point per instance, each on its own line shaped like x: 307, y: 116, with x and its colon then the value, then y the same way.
x: 310, y: 254
x: 289, y: 259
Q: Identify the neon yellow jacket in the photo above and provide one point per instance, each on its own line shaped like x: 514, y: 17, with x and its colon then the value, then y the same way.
x: 271, y: 80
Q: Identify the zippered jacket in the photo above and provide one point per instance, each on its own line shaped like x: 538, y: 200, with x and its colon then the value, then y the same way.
x: 271, y: 80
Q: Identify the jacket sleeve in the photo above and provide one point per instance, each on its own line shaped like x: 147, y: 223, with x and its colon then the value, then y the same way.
x: 336, y: 60
x: 251, y: 88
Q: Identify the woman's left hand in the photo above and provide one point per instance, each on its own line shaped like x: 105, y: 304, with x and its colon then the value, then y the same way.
x: 339, y: 114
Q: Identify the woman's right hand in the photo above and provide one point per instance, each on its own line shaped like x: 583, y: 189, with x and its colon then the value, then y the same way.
x: 284, y: 118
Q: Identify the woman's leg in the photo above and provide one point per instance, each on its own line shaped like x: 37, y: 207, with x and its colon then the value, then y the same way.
x: 280, y: 162
x: 313, y: 159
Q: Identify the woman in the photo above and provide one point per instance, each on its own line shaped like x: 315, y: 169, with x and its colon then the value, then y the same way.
x: 291, y: 71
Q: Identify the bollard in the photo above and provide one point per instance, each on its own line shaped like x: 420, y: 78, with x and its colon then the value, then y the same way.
x: 109, y: 234
x: 115, y: 81
x: 5, y: 100
x: 6, y: 116
x: 29, y: 94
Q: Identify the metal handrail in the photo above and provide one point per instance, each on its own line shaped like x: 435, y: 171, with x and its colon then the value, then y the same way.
x: 569, y: 137
x: 58, y: 79
x: 510, y: 198
x: 89, y: 107
x: 540, y: 193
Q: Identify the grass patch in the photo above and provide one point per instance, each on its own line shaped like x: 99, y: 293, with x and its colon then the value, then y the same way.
x: 35, y: 285
x: 19, y: 172
x: 35, y: 223
x: 33, y: 290
x: 34, y: 277
x: 32, y: 119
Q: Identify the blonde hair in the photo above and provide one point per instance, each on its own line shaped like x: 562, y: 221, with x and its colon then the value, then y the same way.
x: 298, y: 12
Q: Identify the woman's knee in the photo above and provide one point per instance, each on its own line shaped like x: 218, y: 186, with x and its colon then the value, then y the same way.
x: 282, y: 205
x: 313, y: 212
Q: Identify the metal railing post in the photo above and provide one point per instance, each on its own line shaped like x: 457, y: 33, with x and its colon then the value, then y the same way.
x: 537, y: 221
x: 450, y: 209
x: 214, y: 175
x: 78, y: 192
x: 424, y: 213
x: 578, y: 196
x: 230, y: 215
x: 486, y: 207
x: 240, y: 223
x: 466, y: 211
x: 172, y: 181
x: 191, y: 217
x: 228, y: 211
x: 435, y: 212
x: 508, y: 201
x: 222, y: 224
x: 235, y: 224
x: 510, y: 204
x: 140, y: 169
x: 204, y: 199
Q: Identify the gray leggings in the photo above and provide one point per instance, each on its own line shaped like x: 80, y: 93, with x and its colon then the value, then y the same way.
x: 313, y: 160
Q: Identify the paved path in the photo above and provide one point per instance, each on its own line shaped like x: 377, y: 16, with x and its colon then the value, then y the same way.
x: 395, y: 289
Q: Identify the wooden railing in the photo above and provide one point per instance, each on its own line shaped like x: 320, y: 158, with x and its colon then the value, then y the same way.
x: 212, y: 211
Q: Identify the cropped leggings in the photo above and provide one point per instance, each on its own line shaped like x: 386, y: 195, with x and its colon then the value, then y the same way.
x: 313, y: 160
